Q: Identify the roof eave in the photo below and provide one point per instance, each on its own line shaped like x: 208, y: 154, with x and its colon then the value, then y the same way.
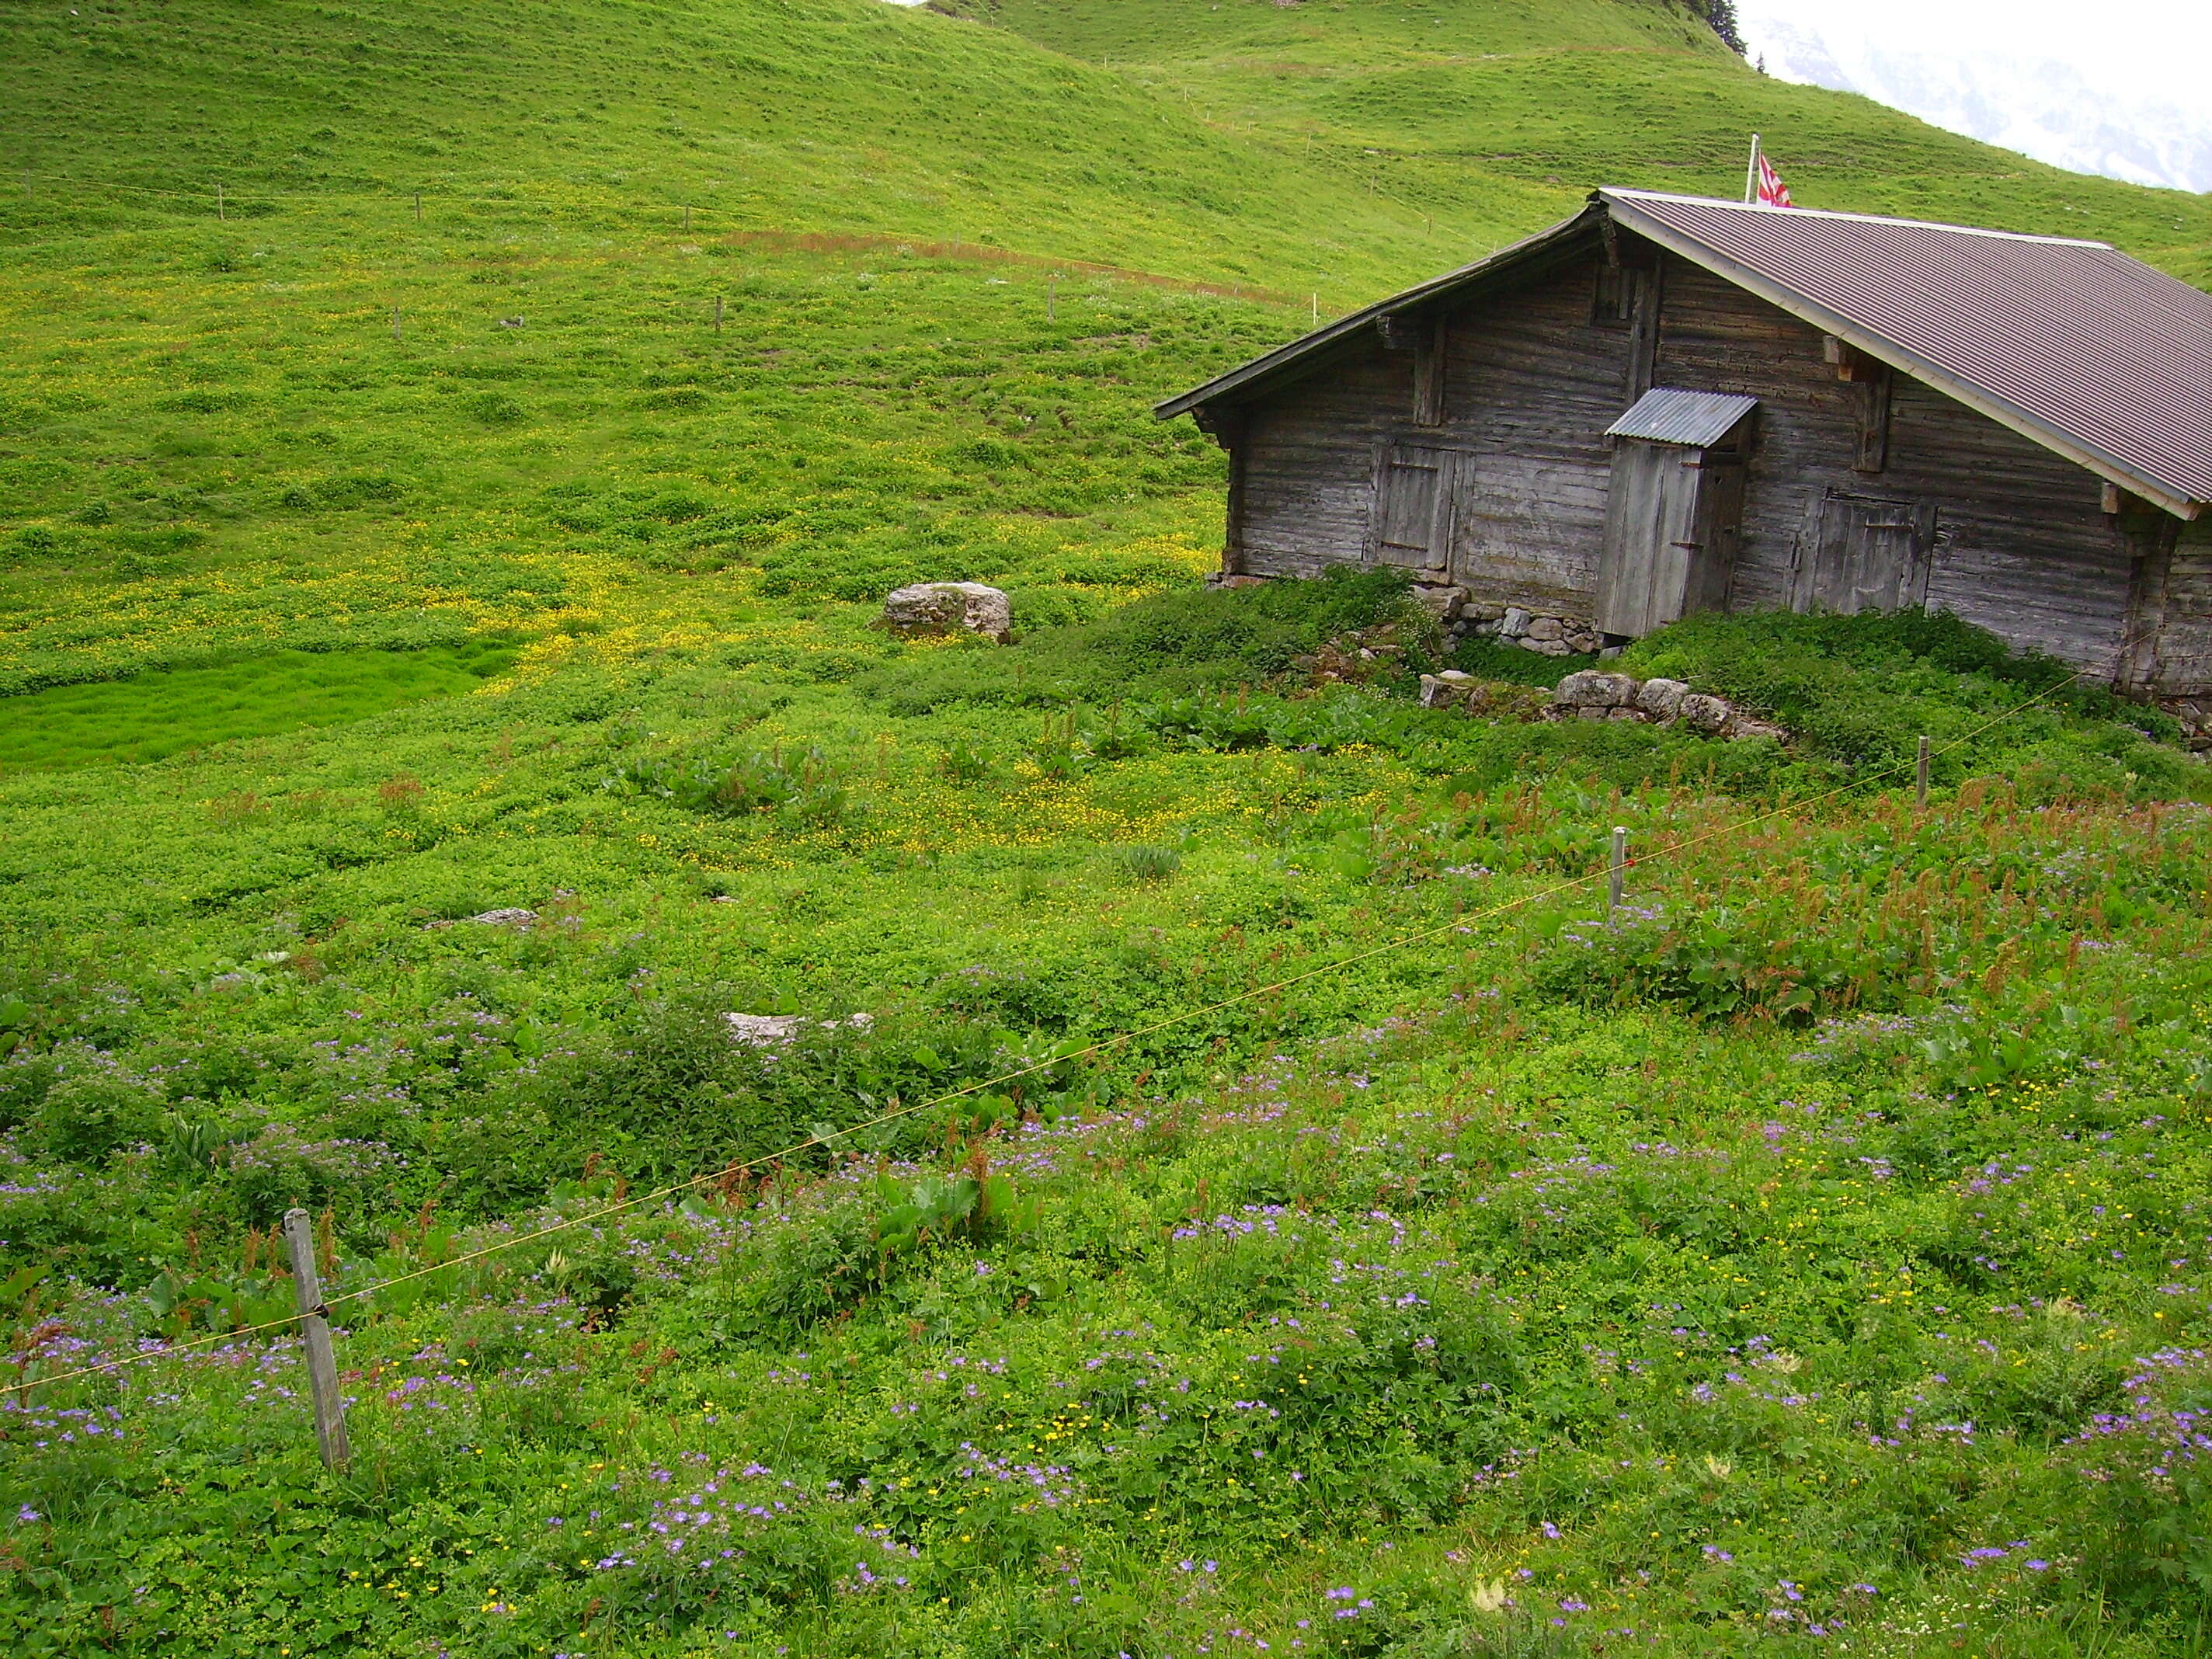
x: 1284, y: 358
x: 1979, y: 398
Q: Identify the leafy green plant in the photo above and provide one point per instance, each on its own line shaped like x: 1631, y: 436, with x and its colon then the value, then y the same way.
x: 15, y: 1021
x: 1714, y: 962
x: 809, y: 788
x: 181, y: 1300
x: 2151, y: 1484
x: 94, y: 1109
x: 1060, y: 753
x: 937, y: 1209
x: 964, y: 761
x: 1149, y: 864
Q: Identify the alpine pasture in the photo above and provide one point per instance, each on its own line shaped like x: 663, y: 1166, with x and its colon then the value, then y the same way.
x: 450, y: 461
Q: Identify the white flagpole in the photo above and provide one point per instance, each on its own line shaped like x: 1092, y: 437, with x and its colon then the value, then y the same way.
x: 1751, y: 174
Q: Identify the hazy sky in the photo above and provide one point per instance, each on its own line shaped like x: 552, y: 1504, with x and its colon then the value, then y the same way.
x: 2154, y: 49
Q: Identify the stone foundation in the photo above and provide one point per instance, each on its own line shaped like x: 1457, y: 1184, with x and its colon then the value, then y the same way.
x: 1594, y: 694
x: 1544, y: 633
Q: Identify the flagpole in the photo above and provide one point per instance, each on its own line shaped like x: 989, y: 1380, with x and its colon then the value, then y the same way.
x: 1751, y: 174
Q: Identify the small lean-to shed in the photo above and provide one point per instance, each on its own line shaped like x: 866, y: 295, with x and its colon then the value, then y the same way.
x: 1674, y: 507
x: 1667, y: 405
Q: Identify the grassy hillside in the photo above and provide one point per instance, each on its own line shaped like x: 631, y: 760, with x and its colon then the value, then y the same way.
x: 1433, y: 100
x: 596, y: 119
x: 1378, y: 1253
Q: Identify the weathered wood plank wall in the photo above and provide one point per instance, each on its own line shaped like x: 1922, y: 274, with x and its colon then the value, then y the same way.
x: 1532, y: 382
x: 1307, y: 457
x: 2022, y: 546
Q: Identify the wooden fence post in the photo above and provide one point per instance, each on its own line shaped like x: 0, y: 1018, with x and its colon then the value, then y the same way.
x: 322, y: 1360
x: 418, y: 207
x: 1920, y: 777
x: 718, y: 314
x: 1052, y: 299
x: 1615, y: 870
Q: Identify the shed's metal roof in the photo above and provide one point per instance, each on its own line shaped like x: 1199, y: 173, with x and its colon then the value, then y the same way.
x: 2089, y: 353
x: 2071, y: 343
x: 1668, y: 414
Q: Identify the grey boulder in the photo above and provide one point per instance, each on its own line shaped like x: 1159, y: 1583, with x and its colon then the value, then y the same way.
x: 1706, y: 713
x: 1595, y: 687
x: 949, y: 608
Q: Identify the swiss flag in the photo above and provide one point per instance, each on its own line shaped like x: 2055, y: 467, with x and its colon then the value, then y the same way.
x: 1772, y: 193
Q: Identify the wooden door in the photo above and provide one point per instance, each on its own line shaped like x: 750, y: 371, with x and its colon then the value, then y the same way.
x: 1650, y: 570
x: 1863, y: 554
x: 1411, y: 522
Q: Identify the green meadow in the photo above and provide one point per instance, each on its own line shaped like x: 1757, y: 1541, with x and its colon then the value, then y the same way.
x: 451, y: 462
x: 153, y: 715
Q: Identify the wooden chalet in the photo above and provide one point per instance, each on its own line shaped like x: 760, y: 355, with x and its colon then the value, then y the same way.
x: 1667, y: 404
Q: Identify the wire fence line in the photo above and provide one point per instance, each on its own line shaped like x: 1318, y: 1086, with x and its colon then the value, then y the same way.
x: 1605, y: 873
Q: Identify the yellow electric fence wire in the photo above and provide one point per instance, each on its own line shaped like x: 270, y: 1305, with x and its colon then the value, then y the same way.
x: 1458, y: 921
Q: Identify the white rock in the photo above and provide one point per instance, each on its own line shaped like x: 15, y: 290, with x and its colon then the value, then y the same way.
x: 764, y: 1030
x: 1514, y: 623
x: 949, y: 608
x: 1662, y: 699
x: 780, y: 1030
x: 511, y: 916
x: 1546, y: 627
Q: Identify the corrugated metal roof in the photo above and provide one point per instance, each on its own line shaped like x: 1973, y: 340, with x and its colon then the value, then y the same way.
x: 2085, y: 344
x: 2087, y: 351
x: 1668, y: 414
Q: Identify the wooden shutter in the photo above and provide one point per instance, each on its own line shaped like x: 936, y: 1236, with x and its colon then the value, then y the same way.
x: 1412, y: 523
x: 1864, y: 555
